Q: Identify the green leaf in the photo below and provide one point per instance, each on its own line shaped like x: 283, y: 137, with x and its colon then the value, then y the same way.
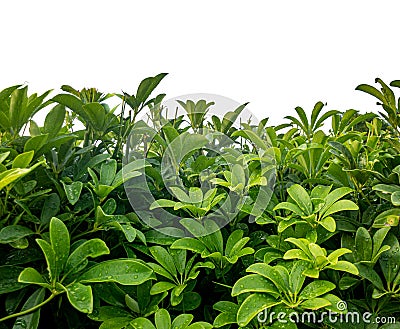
x: 334, y: 196
x: 22, y: 160
x: 60, y: 242
x: 395, y: 198
x: 35, y: 143
x: 363, y: 245
x: 301, y: 197
x: 50, y: 257
x: 295, y: 254
x: 268, y: 272
x: 108, y: 171
x: 182, y: 321
x: 254, y: 283
x: 122, y: 271
x: 142, y: 323
x: 315, y: 303
x: 372, y: 91
x: 13, y: 233
x: 160, y: 287
x: 147, y: 86
x: 73, y: 191
x: 30, y: 320
x: 118, y: 322
x: 316, y: 288
x: 162, y: 319
x: 80, y: 297
x: 78, y: 259
x: 162, y: 203
x: 369, y: 274
x: 344, y: 266
x: 32, y: 276
x: 252, y: 306
x: 9, y: 279
x: 189, y: 244
x: 54, y: 120
x: 50, y: 209
x: 289, y: 206
x: 341, y: 205
x: 164, y: 259
x: 328, y: 223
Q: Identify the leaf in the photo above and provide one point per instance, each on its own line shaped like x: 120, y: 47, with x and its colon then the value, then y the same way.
x: 162, y: 203
x: 142, y: 323
x: 268, y: 272
x: 189, y: 244
x: 60, y: 242
x: 341, y: 205
x: 328, y: 223
x: 122, y: 271
x: 316, y: 288
x: 372, y: 91
x: 289, y: 206
x: 35, y: 143
x: 295, y: 254
x: 252, y: 306
x: 164, y: 259
x: 363, y: 245
x: 147, y: 86
x: 233, y: 238
x: 79, y: 257
x: 315, y: 303
x: 108, y: 170
x: 182, y: 321
x: 9, y: 279
x: 22, y: 160
x: 50, y: 257
x: 54, y: 121
x: 80, y: 297
x: 32, y: 276
x: 162, y: 319
x: 160, y: 287
x: 344, y: 266
x: 254, y: 283
x: 51, y: 207
x: 30, y: 320
x: 73, y: 191
x: 369, y: 274
x: 301, y: 197
x: 118, y: 322
x: 13, y: 233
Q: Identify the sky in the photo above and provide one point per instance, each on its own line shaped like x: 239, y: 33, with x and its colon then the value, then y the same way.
x: 274, y: 54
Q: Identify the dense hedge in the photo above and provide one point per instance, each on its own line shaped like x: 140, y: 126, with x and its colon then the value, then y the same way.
x: 192, y: 221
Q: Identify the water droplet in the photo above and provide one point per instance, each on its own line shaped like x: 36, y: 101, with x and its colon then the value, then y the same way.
x: 21, y: 322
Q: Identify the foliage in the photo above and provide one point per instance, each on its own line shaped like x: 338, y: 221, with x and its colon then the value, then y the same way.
x: 193, y: 222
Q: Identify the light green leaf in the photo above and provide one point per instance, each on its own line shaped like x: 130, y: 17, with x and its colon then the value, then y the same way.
x: 32, y: 276
x: 254, y: 283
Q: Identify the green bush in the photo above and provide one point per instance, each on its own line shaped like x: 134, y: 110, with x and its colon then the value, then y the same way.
x: 191, y: 221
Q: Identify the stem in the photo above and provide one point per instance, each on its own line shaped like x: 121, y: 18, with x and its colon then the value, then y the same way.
x: 30, y: 310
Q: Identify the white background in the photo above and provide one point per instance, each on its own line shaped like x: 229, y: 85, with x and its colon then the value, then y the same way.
x: 275, y: 54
